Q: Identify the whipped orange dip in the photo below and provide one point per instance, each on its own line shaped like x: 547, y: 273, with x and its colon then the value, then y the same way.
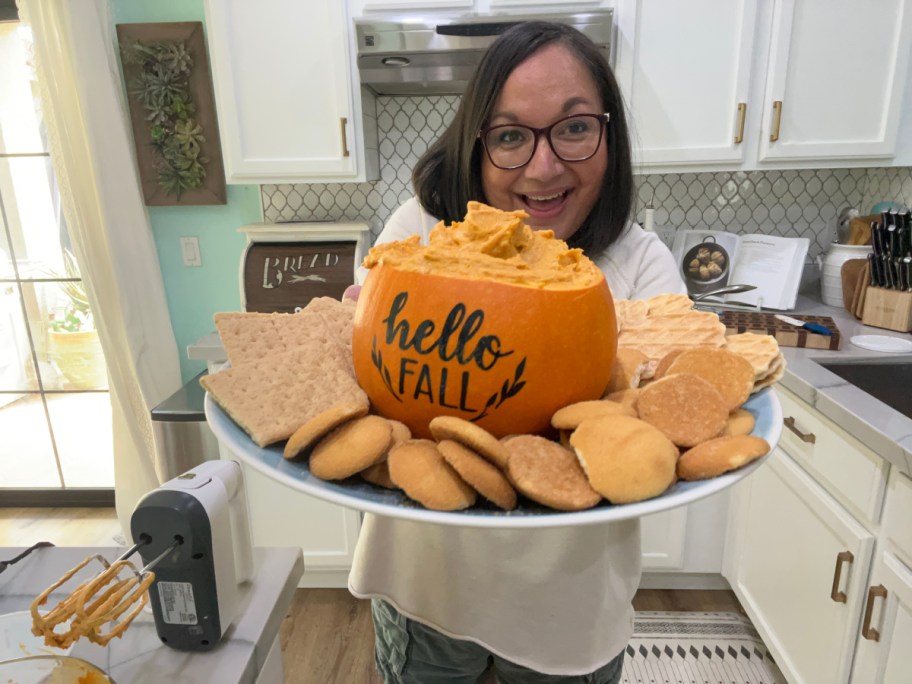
x: 490, y: 244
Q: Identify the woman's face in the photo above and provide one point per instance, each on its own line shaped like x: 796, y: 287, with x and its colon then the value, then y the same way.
x: 549, y: 85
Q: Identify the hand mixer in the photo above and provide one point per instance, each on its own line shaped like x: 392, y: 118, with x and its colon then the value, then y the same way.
x: 199, y: 522
x: 194, y: 531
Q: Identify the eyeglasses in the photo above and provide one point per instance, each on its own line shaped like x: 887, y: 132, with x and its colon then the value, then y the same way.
x: 572, y: 139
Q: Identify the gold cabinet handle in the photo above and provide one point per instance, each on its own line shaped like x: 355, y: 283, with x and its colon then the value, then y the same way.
x: 344, y: 122
x: 777, y: 119
x: 808, y: 437
x: 867, y: 631
x: 841, y: 558
x: 742, y: 112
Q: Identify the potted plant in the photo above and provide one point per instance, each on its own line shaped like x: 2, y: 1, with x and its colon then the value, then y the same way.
x: 73, y: 344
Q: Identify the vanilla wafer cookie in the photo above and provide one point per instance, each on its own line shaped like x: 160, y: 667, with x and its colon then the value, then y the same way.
x: 625, y: 459
x: 719, y: 455
x: 685, y: 407
x: 350, y: 448
x: 759, y: 350
x: 321, y: 424
x: 418, y: 467
x: 483, y: 476
x: 569, y: 417
x: 657, y: 336
x: 728, y: 372
x: 471, y: 435
x: 549, y: 474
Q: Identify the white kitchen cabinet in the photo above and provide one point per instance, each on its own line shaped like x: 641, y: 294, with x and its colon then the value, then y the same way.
x: 885, y: 634
x: 825, y: 519
x: 836, y: 75
x: 289, y: 106
x: 799, y: 570
x: 685, y: 68
x: 763, y: 85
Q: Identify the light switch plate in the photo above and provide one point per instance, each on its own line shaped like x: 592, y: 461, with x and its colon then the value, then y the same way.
x: 190, y: 251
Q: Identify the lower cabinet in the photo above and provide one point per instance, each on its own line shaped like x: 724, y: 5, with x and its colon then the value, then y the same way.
x: 885, y: 635
x: 799, y: 568
x: 824, y: 570
x: 282, y: 516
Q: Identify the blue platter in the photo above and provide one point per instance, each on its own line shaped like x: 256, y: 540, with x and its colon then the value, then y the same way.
x: 358, y: 494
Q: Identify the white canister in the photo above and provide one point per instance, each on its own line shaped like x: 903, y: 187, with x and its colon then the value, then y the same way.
x: 831, y: 269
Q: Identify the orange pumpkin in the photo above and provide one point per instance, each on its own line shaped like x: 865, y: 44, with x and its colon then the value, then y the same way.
x: 504, y: 356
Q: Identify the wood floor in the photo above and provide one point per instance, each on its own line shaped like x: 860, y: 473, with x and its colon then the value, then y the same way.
x: 328, y: 636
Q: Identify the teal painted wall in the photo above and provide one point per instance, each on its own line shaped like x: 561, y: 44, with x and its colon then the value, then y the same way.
x: 196, y: 293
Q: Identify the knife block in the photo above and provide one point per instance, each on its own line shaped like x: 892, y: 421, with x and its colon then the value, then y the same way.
x: 890, y: 309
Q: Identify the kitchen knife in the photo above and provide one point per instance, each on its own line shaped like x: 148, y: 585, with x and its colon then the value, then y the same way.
x: 813, y: 327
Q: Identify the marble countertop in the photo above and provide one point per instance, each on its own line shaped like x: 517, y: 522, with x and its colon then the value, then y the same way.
x: 879, y: 427
x: 139, y: 656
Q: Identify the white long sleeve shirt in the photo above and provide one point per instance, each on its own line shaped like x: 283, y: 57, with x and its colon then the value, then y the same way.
x: 556, y: 600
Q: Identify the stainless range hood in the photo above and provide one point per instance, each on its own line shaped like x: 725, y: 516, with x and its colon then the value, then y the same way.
x: 437, y: 57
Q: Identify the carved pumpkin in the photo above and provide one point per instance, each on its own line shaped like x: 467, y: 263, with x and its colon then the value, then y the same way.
x: 502, y: 355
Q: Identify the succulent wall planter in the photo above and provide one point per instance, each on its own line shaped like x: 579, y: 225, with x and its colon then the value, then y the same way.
x: 169, y: 89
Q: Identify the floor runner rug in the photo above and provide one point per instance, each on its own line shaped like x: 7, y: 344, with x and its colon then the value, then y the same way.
x: 697, y: 648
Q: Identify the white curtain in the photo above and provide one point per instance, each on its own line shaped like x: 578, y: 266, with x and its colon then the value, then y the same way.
x: 92, y: 151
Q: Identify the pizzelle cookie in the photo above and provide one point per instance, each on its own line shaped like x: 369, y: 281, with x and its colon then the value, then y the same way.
x: 728, y: 372
x: 625, y: 459
x: 549, y: 474
x: 760, y: 350
x: 685, y: 407
x: 322, y: 423
x: 469, y: 434
x: 719, y: 455
x: 351, y: 448
x: 569, y: 417
x: 480, y: 474
x: 418, y: 467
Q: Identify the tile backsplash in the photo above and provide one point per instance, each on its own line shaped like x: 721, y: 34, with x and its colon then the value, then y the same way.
x: 789, y: 203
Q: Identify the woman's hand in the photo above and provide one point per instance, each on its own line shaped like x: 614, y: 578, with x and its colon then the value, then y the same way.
x: 351, y: 292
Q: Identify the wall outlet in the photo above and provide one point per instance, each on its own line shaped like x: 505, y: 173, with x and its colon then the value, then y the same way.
x: 666, y: 235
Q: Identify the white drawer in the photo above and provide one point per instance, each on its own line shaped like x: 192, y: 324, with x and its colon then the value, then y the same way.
x: 897, y: 514
x: 852, y: 473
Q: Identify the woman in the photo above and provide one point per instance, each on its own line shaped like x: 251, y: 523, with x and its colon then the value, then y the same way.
x: 540, y: 128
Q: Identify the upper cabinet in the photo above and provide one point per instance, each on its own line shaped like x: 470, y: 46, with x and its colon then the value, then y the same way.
x: 761, y: 85
x: 835, y: 80
x: 685, y: 69
x: 288, y: 107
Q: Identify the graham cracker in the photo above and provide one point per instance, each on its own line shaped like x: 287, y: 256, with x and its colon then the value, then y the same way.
x: 271, y: 397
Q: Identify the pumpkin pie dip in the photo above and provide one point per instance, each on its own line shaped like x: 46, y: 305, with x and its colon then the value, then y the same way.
x: 492, y: 245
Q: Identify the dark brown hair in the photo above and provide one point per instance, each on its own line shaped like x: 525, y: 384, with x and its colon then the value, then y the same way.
x: 448, y: 175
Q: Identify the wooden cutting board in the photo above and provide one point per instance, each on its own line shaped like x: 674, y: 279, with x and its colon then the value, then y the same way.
x: 786, y: 335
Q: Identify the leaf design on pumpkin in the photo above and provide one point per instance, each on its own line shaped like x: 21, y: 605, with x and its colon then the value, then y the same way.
x: 377, y: 358
x: 507, y: 390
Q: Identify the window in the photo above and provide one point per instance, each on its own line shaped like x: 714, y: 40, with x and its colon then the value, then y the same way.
x: 55, y: 410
